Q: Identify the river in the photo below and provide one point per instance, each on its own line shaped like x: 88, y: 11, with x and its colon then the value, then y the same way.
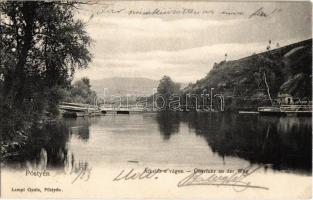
x: 280, y: 145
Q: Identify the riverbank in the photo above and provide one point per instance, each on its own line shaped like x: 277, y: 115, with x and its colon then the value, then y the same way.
x: 11, y: 146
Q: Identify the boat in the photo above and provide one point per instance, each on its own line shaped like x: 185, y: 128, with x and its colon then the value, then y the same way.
x: 74, y: 114
x: 74, y: 110
x: 286, y: 110
x: 248, y: 112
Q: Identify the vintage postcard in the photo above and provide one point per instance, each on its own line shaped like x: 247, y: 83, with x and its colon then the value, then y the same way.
x: 156, y: 99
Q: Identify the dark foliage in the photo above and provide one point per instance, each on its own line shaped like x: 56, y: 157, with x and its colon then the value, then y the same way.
x: 248, y: 82
x: 42, y: 44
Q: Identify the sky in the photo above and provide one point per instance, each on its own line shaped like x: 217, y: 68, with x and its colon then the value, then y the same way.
x: 184, y: 39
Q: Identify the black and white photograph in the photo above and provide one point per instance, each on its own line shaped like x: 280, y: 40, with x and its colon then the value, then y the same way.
x: 156, y: 99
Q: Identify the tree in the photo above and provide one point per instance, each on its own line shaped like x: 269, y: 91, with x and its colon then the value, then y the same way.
x: 80, y: 92
x: 42, y: 43
x: 166, y: 89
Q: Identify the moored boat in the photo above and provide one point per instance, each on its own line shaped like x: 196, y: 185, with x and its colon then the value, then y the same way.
x: 286, y: 110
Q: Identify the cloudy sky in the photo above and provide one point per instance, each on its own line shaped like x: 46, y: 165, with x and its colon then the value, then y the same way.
x: 134, y: 39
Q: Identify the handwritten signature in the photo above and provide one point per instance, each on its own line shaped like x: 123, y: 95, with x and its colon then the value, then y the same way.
x: 111, y: 8
x: 132, y: 175
x: 235, y: 180
x: 262, y: 13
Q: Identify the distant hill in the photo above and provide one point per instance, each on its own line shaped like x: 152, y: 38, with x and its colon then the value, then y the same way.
x: 287, y: 70
x: 125, y: 86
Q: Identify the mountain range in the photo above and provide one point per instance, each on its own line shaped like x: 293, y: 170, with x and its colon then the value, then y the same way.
x: 123, y: 86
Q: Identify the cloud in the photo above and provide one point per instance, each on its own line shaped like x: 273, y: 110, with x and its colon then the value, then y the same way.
x: 186, y: 48
x: 149, y: 32
x: 182, y: 65
x: 161, y: 25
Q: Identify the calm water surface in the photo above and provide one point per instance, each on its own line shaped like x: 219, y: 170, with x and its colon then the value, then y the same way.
x: 207, y: 140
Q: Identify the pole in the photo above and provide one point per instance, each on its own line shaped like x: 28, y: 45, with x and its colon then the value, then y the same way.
x: 203, y: 98
x: 186, y: 104
x: 223, y: 102
x: 212, y: 98
x: 104, y: 95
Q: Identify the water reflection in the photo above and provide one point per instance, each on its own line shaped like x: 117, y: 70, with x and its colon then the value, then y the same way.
x: 168, y: 123
x: 79, y: 127
x: 284, y: 143
x: 47, y: 146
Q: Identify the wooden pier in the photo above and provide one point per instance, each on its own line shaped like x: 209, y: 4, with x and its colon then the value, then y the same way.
x: 131, y: 109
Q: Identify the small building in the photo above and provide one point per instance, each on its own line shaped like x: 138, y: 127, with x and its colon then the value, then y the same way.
x: 285, y: 99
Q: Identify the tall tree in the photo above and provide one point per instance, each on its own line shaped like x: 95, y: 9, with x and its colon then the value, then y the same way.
x: 42, y: 43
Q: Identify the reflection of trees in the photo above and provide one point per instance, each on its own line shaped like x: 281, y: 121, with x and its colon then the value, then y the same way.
x: 257, y: 139
x: 47, y: 145
x: 79, y: 127
x: 45, y: 148
x: 168, y: 123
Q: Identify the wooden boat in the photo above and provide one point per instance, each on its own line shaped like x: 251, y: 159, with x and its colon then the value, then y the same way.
x: 73, y: 110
